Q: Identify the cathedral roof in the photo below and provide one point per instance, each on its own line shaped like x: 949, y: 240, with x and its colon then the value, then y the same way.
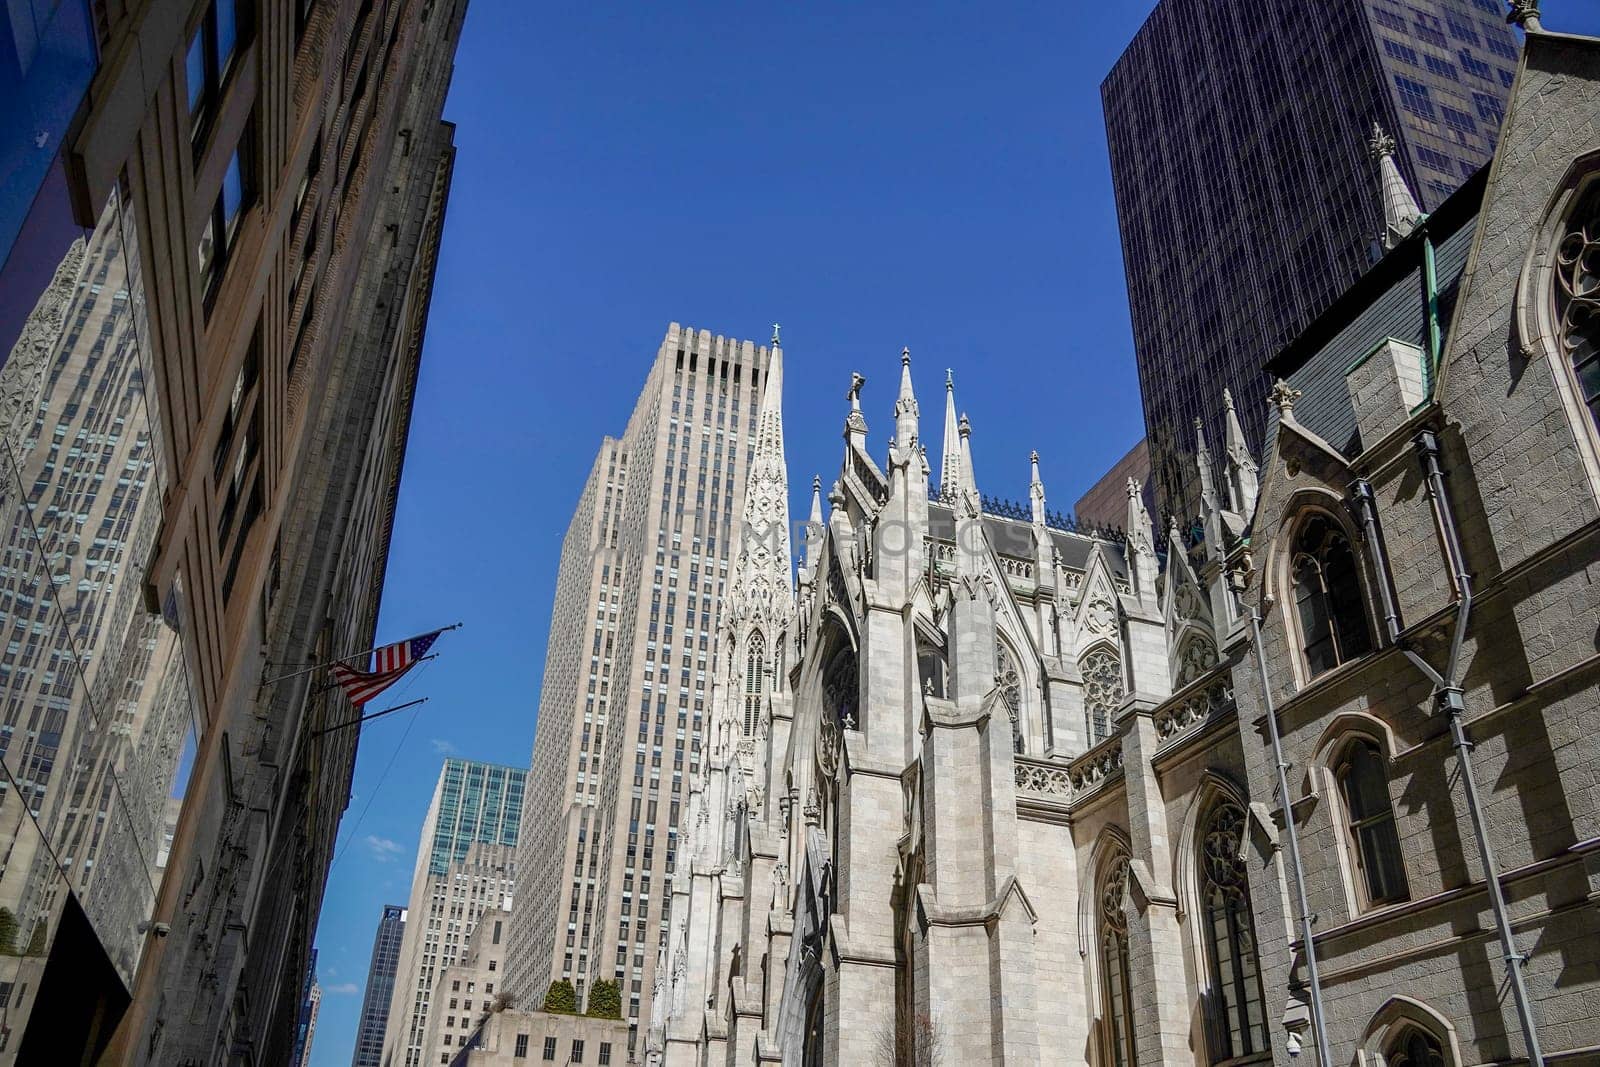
x: 1014, y: 537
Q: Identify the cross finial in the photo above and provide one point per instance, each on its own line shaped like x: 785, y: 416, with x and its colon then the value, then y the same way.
x: 776, y: 343
x: 1525, y: 13
x: 1380, y: 144
x: 1283, y: 397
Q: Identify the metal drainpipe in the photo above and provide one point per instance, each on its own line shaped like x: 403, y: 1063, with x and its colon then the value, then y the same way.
x: 1366, y: 513
x: 1449, y: 698
x: 1324, y: 1058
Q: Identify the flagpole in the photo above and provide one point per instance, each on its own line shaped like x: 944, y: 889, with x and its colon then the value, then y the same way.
x: 368, y: 718
x: 353, y: 655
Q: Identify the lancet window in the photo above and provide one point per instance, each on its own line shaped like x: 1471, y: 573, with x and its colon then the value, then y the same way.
x: 1010, y: 682
x: 1327, y: 595
x: 840, y: 686
x: 1413, y: 1047
x: 754, y: 678
x: 1236, y: 1014
x: 1116, y: 985
x: 1102, y: 690
x: 1373, y: 841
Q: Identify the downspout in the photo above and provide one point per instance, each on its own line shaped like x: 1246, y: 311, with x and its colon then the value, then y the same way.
x: 1324, y: 1058
x: 1430, y: 305
x: 1449, y: 698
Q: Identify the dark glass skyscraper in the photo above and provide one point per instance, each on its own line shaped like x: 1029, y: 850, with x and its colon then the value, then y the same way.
x: 380, y: 987
x: 1245, y: 193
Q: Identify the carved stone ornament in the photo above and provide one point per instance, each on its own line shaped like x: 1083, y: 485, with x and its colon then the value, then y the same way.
x: 1199, y: 655
x: 1577, y: 290
x: 1283, y: 397
x: 827, y: 746
x: 1114, y: 895
x: 22, y: 377
x: 1101, y: 614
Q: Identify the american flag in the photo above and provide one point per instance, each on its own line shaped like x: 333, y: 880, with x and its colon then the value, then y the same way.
x: 389, y: 664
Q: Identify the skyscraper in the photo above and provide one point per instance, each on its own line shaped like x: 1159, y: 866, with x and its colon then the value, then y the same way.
x: 1246, y: 194
x: 380, y: 987
x: 466, y: 864
x: 218, y: 226
x: 622, y: 713
x: 310, y: 1005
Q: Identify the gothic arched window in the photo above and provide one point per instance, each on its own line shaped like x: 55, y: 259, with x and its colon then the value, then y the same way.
x: 1238, y: 1022
x: 1577, y: 296
x: 1010, y: 683
x: 1116, y: 984
x: 1327, y: 593
x: 842, y: 690
x: 1413, y: 1047
x: 754, y: 676
x: 1102, y: 690
x: 1373, y: 841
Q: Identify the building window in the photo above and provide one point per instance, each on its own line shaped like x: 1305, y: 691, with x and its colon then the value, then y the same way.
x: 222, y: 222
x: 1010, y: 683
x: 1327, y: 595
x: 1414, y: 97
x: 605, y: 1053
x: 577, y: 1051
x: 223, y: 32
x: 1372, y: 839
x: 754, y: 675
x: 1116, y: 985
x: 1102, y: 690
x: 1413, y: 1047
x: 1238, y: 1023
x: 521, y: 1051
x: 550, y: 1048
x: 1577, y: 294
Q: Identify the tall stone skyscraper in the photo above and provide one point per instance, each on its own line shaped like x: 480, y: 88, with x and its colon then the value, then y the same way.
x: 623, y: 712
x: 380, y: 987
x: 1246, y: 190
x: 219, y: 225
x: 466, y: 865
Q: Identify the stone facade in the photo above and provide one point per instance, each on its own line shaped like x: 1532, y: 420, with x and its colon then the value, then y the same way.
x: 514, y: 1038
x: 469, y: 990
x: 1297, y: 782
x: 211, y: 330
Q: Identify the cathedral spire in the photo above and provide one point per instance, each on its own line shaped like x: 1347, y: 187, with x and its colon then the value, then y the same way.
x: 1210, y: 504
x: 906, y: 426
x: 968, y: 480
x: 1243, y: 474
x: 1141, y: 543
x: 1036, y: 490
x: 1400, y: 211
x: 950, y: 467
x: 762, y: 584
x: 1202, y: 459
x: 816, y: 500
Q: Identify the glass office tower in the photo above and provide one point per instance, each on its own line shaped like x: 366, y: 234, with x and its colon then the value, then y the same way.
x: 466, y: 864
x: 1246, y: 196
x: 380, y: 987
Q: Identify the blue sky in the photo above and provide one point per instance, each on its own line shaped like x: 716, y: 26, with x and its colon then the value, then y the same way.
x: 870, y: 176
